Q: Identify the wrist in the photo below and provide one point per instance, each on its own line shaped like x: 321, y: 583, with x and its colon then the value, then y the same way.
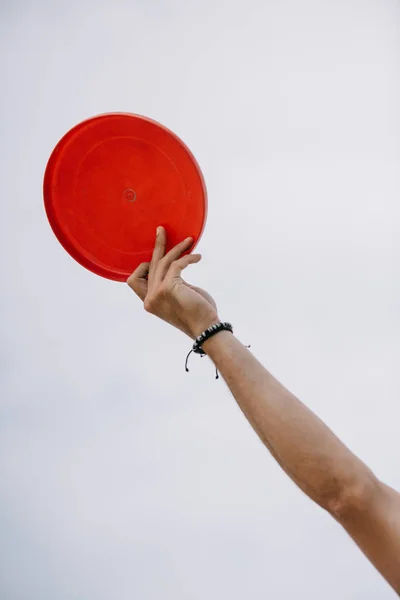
x: 213, y: 345
x: 200, y: 326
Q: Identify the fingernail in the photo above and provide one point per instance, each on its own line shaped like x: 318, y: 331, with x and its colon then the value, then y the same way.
x: 158, y: 230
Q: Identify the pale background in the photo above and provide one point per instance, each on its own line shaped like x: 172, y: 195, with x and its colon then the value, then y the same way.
x: 121, y: 476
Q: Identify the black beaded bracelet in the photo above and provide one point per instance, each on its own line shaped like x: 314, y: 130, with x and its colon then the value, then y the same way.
x: 203, y: 337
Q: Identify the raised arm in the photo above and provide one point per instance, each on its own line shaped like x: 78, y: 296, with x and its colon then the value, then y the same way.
x: 308, y: 451
x: 311, y: 454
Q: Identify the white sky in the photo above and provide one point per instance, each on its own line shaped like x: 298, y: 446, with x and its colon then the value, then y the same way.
x: 122, y: 477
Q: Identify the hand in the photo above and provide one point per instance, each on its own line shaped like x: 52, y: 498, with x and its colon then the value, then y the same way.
x: 165, y: 294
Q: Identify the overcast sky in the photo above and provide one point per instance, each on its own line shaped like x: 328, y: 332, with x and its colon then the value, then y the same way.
x: 121, y: 476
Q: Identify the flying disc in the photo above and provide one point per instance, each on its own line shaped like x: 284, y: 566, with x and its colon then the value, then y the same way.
x: 108, y: 184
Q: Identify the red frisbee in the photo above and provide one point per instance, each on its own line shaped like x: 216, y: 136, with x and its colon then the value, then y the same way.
x: 110, y: 181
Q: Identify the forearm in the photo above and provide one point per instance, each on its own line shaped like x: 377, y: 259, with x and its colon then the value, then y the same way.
x: 309, y: 452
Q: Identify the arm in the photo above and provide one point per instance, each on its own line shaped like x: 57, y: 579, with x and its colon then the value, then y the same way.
x: 314, y: 458
x: 308, y: 451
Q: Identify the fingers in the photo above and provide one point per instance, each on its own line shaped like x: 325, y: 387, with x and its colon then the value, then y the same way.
x: 171, y: 256
x: 148, y: 275
x: 159, y: 250
x: 138, y: 282
x: 177, y: 266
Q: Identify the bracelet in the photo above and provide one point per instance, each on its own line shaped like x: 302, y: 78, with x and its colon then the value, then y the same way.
x: 203, y: 337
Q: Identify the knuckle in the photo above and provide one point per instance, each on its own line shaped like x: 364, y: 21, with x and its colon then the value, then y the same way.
x: 148, y: 305
x: 153, y: 303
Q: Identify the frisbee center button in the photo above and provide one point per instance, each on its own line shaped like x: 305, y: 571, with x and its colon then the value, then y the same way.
x: 130, y: 195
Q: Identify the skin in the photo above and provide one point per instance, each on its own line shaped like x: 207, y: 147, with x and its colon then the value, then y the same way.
x: 306, y: 449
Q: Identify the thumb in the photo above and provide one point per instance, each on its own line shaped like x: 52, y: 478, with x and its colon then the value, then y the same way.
x: 138, y: 280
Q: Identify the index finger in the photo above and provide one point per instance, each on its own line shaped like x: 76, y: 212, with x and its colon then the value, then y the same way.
x: 159, y: 249
x: 172, y: 256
